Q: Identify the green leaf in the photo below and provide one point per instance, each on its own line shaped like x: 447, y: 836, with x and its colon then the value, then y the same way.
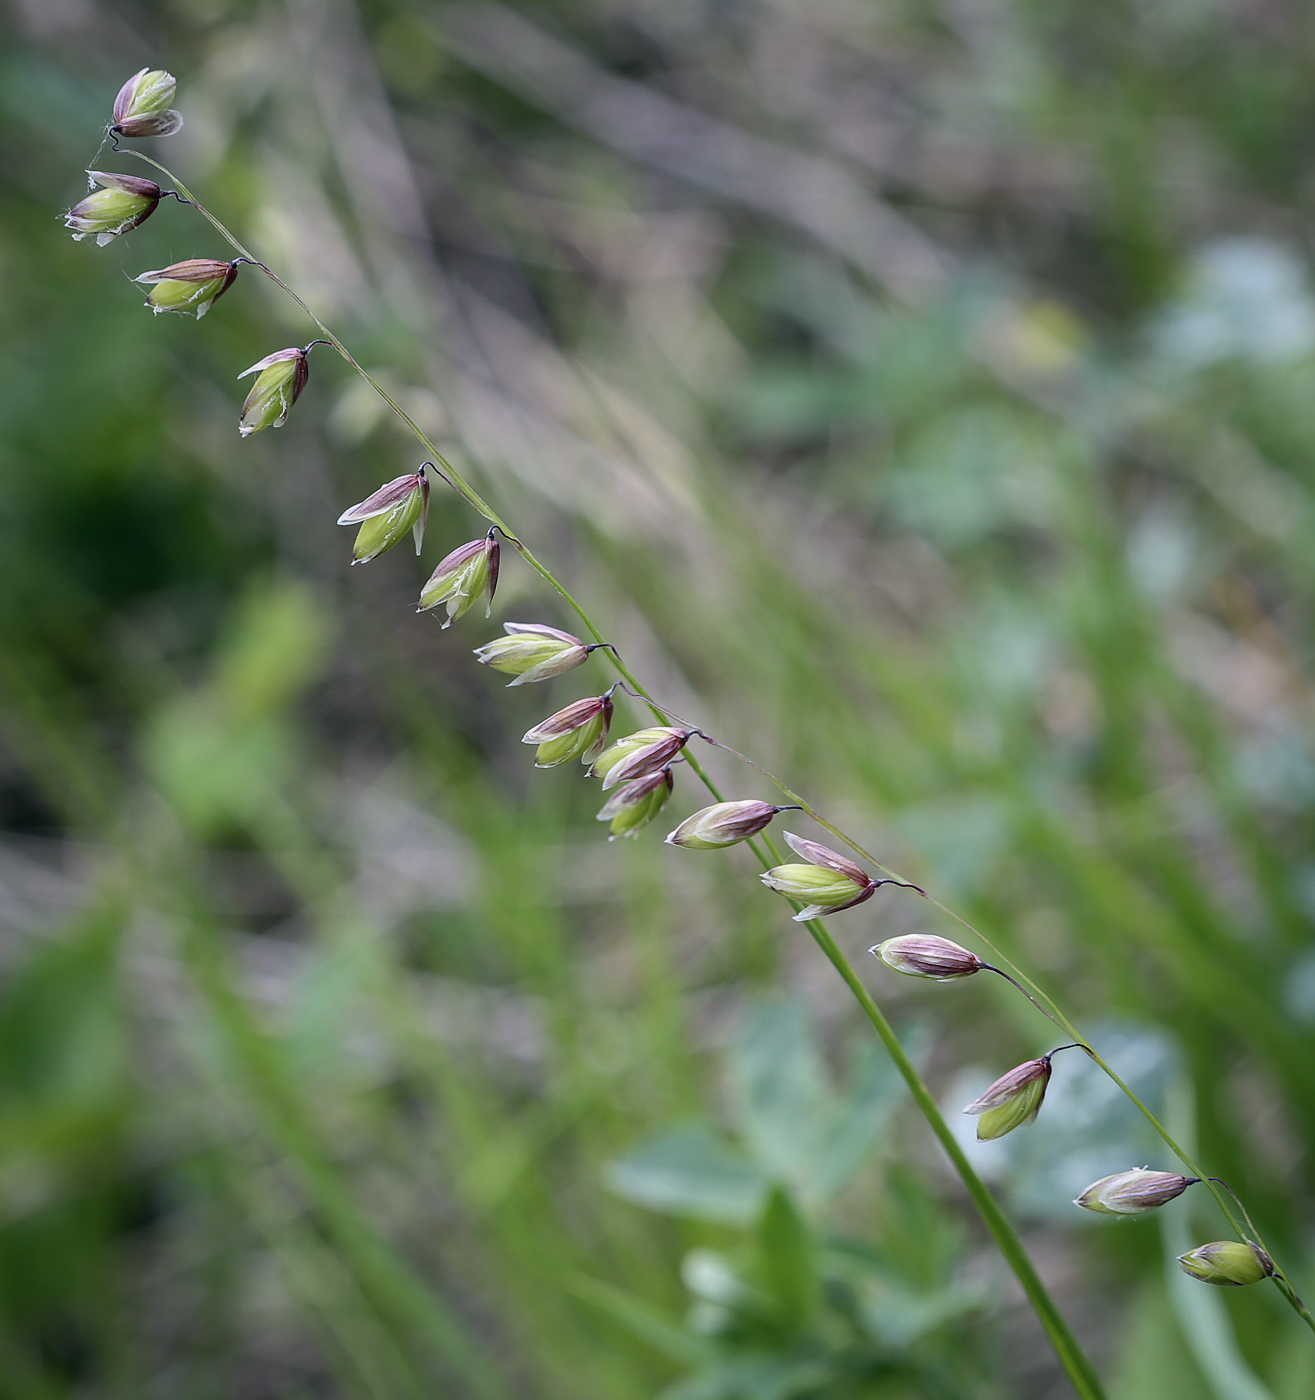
x: 689, y: 1172
x: 755, y: 1377
x: 641, y: 1321
x: 787, y: 1258
x: 782, y: 1103
x: 275, y: 648
x: 791, y: 1120
x: 857, y: 1121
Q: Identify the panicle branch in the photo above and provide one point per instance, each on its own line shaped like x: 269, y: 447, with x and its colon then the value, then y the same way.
x: 637, y: 769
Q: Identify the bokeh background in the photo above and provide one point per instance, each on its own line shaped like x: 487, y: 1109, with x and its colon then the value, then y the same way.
x: 920, y: 394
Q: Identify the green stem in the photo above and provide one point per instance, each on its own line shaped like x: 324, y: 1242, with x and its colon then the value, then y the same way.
x: 1070, y: 1355
x: 1048, y: 1007
x: 1067, y: 1349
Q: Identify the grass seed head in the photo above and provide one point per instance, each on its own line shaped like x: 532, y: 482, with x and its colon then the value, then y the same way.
x: 469, y: 571
x: 1229, y: 1263
x: 633, y: 806
x: 925, y: 955
x: 722, y: 824
x: 280, y: 378
x: 122, y: 202
x: 1133, y: 1192
x: 193, y: 285
x: 578, y: 731
x: 1013, y: 1100
x: 142, y: 106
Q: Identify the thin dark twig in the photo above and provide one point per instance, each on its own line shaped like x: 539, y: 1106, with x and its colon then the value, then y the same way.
x: 987, y: 967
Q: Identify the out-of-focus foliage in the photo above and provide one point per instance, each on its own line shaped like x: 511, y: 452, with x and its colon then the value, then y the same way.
x: 791, y: 1311
x: 920, y: 395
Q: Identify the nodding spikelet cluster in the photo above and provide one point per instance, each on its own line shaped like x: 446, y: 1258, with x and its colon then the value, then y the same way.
x: 124, y: 202
x: 636, y: 771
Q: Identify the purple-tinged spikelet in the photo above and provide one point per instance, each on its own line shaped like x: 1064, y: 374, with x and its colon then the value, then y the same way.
x: 192, y: 285
x: 577, y: 731
x: 471, y: 569
x: 142, y: 106
x: 1133, y: 1192
x: 387, y: 514
x: 723, y: 824
x: 632, y: 807
x: 122, y: 202
x: 639, y: 754
x: 280, y: 379
x: 1013, y: 1100
x: 925, y: 955
x: 533, y: 652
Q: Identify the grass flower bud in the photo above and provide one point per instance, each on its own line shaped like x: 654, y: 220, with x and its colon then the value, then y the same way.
x: 387, y: 514
x: 1013, y: 1100
x: 142, y: 106
x: 925, y: 955
x: 578, y: 731
x: 723, y: 824
x: 623, y: 748
x: 632, y: 807
x: 122, y: 202
x: 194, y: 285
x: 823, y: 891
x: 280, y: 378
x: 829, y: 883
x: 531, y: 652
x: 471, y: 569
x: 1228, y: 1263
x: 1133, y: 1192
x: 639, y: 754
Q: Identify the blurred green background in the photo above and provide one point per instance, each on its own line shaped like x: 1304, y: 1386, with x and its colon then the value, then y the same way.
x: 920, y: 394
